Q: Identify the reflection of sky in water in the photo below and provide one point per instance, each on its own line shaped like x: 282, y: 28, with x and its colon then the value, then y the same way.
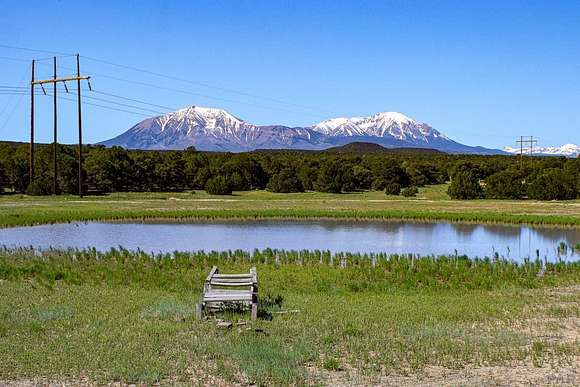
x: 474, y: 240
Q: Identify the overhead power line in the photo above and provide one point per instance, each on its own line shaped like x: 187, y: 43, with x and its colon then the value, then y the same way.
x: 190, y: 92
x: 98, y: 105
x: 36, y: 50
x: 203, y: 84
x: 182, y: 80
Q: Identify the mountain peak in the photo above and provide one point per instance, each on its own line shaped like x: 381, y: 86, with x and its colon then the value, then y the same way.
x: 384, y: 124
x: 194, y: 111
x: 394, y: 116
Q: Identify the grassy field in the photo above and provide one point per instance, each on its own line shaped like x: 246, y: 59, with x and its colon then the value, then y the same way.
x: 431, y: 203
x: 89, y: 317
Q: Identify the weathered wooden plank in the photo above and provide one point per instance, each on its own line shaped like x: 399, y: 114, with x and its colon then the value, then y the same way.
x: 244, y: 275
x: 225, y: 298
x: 240, y: 294
x: 232, y: 292
x: 213, y: 271
x: 254, y: 274
x: 233, y: 280
x: 228, y: 283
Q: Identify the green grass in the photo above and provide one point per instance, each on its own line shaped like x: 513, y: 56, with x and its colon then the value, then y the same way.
x: 431, y: 203
x: 120, y: 316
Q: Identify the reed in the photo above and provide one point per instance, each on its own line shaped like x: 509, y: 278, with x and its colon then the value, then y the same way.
x: 324, y: 270
x: 66, y: 216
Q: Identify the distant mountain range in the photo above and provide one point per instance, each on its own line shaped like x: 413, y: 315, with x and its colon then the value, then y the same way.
x: 568, y: 150
x: 217, y: 130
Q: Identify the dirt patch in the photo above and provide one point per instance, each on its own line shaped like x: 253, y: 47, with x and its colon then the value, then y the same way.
x: 519, y: 375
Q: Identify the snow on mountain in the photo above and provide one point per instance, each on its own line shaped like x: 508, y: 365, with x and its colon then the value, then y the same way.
x: 217, y: 130
x: 387, y: 124
x: 569, y: 150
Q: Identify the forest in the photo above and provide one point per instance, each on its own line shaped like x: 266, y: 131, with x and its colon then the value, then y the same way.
x: 396, y: 173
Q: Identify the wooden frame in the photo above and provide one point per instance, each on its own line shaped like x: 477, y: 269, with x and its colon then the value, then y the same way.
x: 221, y: 288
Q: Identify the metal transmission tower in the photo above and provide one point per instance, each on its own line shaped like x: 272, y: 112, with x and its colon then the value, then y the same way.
x: 529, y: 142
x: 54, y: 81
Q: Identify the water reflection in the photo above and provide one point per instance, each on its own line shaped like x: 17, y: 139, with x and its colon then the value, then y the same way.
x: 474, y: 240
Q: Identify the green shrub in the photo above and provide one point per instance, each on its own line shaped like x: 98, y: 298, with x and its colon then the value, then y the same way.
x: 393, y: 189
x: 505, y: 185
x: 40, y: 186
x: 331, y: 364
x: 218, y: 185
x: 378, y: 184
x: 465, y: 186
x: 552, y: 184
x: 285, y: 181
x: 410, y: 191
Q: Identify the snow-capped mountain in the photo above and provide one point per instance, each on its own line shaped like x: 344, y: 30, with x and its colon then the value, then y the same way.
x: 217, y: 130
x: 388, y: 124
x: 568, y: 150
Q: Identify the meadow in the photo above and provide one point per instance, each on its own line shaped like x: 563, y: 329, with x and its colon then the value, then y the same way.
x: 431, y: 203
x: 88, y: 317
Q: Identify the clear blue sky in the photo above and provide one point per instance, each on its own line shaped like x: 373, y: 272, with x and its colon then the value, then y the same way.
x: 481, y: 72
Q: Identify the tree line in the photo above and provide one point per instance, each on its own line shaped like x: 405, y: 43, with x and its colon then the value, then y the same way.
x: 117, y: 169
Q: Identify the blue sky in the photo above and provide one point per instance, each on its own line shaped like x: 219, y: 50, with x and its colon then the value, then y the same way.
x: 481, y: 72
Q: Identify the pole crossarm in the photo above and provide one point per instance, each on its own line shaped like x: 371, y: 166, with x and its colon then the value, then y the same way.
x: 63, y: 79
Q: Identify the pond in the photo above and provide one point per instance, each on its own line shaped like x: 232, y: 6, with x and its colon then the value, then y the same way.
x: 396, y: 237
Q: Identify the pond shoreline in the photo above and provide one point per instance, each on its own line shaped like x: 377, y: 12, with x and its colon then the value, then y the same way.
x: 16, y: 220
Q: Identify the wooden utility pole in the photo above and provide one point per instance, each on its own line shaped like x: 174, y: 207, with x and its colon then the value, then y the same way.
x: 532, y: 142
x: 529, y: 141
x: 55, y: 80
x: 80, y: 127
x: 521, y: 142
x: 31, y: 151
x: 54, y: 143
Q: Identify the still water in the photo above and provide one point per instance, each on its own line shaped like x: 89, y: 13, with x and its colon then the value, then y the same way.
x: 474, y: 240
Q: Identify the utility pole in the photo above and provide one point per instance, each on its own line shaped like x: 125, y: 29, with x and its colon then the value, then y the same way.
x: 54, y: 144
x: 80, y: 127
x: 532, y: 142
x: 529, y: 141
x: 55, y: 80
x: 521, y: 142
x: 31, y: 150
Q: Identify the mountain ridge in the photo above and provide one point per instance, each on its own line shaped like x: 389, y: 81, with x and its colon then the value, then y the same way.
x: 214, y: 129
x: 568, y: 150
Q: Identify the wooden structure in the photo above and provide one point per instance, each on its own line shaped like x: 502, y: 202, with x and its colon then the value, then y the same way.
x: 54, y: 81
x: 221, y: 289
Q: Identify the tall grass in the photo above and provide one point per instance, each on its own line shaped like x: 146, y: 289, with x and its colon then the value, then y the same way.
x: 65, y: 216
x: 324, y: 271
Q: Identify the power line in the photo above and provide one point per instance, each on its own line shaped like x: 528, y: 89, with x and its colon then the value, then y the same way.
x: 183, y: 80
x: 36, y: 50
x: 132, y: 99
x: 25, y: 92
x: 98, y: 105
x: 189, y: 92
x: 179, y: 79
x: 126, y: 105
x: 16, y: 104
x: 14, y: 59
